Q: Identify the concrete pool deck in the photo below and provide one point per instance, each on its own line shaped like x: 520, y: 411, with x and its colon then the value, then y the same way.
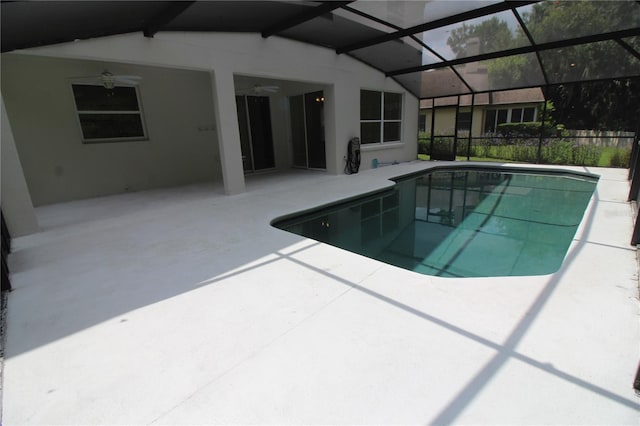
x: 184, y: 306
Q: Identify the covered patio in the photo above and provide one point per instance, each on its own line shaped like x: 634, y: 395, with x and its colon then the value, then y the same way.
x: 172, y: 299
x: 184, y: 305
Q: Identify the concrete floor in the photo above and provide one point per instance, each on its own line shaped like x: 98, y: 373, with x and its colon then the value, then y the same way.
x: 183, y: 306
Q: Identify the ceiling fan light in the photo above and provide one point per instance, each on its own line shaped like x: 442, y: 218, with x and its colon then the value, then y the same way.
x: 108, y: 80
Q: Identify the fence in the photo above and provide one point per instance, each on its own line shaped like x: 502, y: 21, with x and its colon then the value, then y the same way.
x: 583, y: 149
x: 605, y: 138
x: 634, y: 191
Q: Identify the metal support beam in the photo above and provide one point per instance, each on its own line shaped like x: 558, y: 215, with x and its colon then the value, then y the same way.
x: 526, y: 32
x: 635, y: 151
x: 536, y: 86
x: 522, y: 50
x: 476, y: 13
x: 628, y: 48
x: 541, y: 136
x: 455, y: 130
x: 635, y: 238
x: 635, y: 177
x: 174, y: 9
x: 473, y: 104
x: 6, y: 249
x: 412, y: 37
x: 307, y: 15
x: 433, y: 125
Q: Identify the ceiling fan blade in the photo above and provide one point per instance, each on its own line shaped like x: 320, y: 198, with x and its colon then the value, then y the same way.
x: 127, y: 80
x: 89, y: 79
x: 127, y: 77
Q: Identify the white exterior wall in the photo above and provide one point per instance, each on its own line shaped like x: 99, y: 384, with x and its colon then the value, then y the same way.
x: 196, y: 69
x: 181, y: 146
x: 16, y: 201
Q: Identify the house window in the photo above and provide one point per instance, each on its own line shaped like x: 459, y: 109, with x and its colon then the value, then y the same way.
x: 422, y: 122
x: 464, y: 121
x: 529, y: 114
x: 490, y: 121
x: 516, y: 115
x: 108, y: 115
x: 494, y: 117
x: 380, y: 116
x: 502, y: 116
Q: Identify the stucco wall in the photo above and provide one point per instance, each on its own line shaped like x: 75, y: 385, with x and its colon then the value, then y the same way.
x: 274, y: 57
x: 17, y: 207
x: 181, y: 146
x: 179, y: 71
x: 446, y: 117
x: 280, y: 124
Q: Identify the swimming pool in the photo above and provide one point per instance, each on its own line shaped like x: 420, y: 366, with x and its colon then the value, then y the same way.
x: 459, y: 222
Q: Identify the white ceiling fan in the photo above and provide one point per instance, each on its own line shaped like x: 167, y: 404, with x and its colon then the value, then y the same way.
x: 109, y: 80
x: 259, y: 89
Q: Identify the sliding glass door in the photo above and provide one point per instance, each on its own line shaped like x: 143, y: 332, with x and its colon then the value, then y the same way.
x: 307, y: 130
x: 256, y: 137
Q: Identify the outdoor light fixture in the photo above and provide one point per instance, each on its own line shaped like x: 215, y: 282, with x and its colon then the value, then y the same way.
x: 108, y: 80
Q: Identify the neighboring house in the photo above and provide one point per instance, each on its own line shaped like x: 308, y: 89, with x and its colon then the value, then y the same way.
x: 489, y: 110
x: 126, y: 112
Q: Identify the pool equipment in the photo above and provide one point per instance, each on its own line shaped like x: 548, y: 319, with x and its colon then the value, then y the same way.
x: 353, y: 156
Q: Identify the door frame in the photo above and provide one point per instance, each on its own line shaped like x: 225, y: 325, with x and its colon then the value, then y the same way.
x: 250, y: 136
x: 305, y: 127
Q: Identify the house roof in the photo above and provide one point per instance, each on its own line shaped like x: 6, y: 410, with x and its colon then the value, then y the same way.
x: 503, y: 97
x: 517, y: 96
x: 434, y: 48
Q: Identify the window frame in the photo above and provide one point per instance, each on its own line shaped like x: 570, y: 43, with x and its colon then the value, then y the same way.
x: 467, y: 121
x: 509, y: 116
x: 139, y: 112
x: 382, y: 120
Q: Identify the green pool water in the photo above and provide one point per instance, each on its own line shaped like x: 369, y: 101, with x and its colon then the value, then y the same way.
x: 459, y: 222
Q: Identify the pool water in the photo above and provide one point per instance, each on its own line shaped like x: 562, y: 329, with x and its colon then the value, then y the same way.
x: 459, y: 222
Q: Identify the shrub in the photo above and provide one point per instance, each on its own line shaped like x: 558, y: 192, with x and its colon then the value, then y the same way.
x: 423, y: 146
x: 586, y: 155
x: 461, y: 148
x: 620, y: 158
x: 558, y: 152
x: 561, y: 151
x: 529, y: 129
x: 525, y: 150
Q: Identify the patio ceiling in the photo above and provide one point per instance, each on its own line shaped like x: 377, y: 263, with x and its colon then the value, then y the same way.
x: 433, y: 48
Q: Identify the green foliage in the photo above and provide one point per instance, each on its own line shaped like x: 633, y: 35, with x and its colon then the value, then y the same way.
x: 423, y: 145
x: 492, y: 34
x: 443, y: 147
x: 525, y: 150
x: 604, y: 105
x: 513, y: 71
x: 620, y: 158
x: 528, y: 129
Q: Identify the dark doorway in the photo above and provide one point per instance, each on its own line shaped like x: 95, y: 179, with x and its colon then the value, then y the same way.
x: 256, y: 138
x: 307, y: 130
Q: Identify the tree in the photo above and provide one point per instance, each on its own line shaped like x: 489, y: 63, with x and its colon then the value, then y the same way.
x: 492, y: 35
x: 612, y: 104
x: 607, y: 104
